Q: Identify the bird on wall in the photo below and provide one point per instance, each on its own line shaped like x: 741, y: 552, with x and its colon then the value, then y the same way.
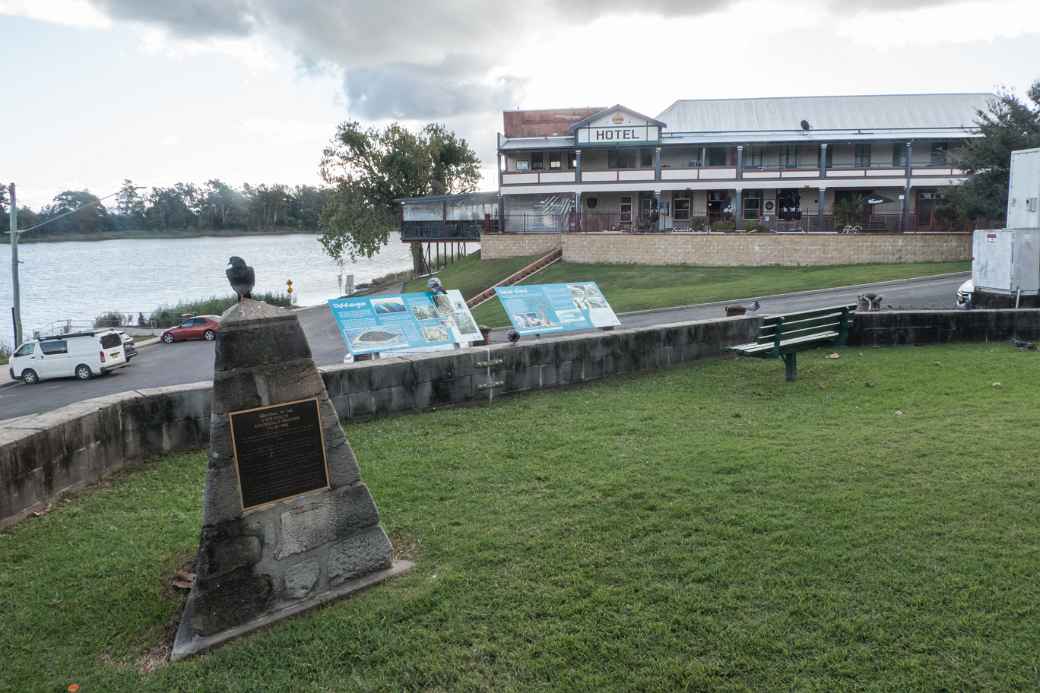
x: 434, y: 285
x: 738, y: 309
x: 241, y: 277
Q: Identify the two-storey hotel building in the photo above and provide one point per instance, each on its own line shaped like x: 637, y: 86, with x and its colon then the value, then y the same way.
x: 777, y: 163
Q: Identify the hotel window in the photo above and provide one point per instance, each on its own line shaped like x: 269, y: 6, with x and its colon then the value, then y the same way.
x: 716, y: 156
x: 646, y: 158
x: 681, y: 207
x: 621, y: 158
x: 938, y: 153
x: 555, y: 160
x: 523, y: 165
x: 626, y: 210
x: 899, y: 154
x: 572, y: 160
x: 861, y: 155
x: 754, y: 157
x: 752, y: 204
x: 537, y: 161
x: 790, y: 157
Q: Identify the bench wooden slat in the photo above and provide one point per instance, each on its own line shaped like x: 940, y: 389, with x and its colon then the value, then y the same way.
x: 806, y: 332
x: 819, y: 323
x: 773, y: 319
x: 755, y: 347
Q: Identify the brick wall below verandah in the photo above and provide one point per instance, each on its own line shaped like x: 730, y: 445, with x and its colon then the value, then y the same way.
x: 494, y: 246
x: 745, y: 250
x: 732, y: 250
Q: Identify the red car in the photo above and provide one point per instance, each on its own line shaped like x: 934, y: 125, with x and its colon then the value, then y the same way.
x: 199, y: 327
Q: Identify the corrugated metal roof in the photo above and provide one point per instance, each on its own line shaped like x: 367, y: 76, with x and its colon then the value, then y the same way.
x: 911, y: 111
x: 488, y: 196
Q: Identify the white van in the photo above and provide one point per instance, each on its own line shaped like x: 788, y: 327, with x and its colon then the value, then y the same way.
x: 81, y: 355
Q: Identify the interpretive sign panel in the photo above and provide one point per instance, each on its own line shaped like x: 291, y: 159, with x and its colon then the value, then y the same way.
x: 421, y: 320
x: 542, y: 308
x: 279, y: 451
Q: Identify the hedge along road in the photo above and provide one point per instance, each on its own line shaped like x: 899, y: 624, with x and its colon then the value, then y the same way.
x: 189, y: 362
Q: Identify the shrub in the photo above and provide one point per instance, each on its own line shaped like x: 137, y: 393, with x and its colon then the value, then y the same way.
x: 5, y: 352
x: 724, y: 226
x: 111, y: 319
x: 168, y: 316
x: 848, y: 212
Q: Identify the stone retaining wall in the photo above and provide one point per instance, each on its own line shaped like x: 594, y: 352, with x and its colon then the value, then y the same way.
x: 43, y: 456
x: 942, y: 326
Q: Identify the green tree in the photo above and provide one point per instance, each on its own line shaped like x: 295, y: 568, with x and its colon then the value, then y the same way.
x: 224, y: 207
x: 167, y: 210
x: 85, y: 213
x: 130, y: 207
x: 1009, y: 124
x: 370, y: 169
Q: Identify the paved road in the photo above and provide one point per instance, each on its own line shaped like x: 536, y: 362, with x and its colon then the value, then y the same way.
x: 189, y: 362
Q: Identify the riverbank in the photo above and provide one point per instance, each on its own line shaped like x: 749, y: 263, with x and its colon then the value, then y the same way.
x: 147, y: 234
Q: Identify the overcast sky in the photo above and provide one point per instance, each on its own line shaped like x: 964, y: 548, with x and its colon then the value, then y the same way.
x: 161, y: 91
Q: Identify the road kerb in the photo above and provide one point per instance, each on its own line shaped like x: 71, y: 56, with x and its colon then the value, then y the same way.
x: 807, y: 292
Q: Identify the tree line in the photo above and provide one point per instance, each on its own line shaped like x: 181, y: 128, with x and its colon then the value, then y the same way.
x: 215, y: 205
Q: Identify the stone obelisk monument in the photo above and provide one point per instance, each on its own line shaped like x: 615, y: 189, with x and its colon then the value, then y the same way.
x: 287, y: 523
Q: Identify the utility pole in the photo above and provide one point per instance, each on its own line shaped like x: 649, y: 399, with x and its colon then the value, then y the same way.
x: 16, y: 311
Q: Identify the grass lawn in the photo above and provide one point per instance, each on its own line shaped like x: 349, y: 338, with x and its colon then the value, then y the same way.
x: 636, y: 287
x: 871, y: 526
x: 471, y: 276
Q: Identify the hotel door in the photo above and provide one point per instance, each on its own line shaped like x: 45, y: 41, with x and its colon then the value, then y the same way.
x: 789, y: 205
x: 646, y: 211
x: 926, y: 204
x: 719, y: 205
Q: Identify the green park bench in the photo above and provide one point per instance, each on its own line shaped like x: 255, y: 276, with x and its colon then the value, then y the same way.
x: 783, y: 336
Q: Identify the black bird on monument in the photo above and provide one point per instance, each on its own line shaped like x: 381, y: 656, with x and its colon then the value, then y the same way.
x: 241, y: 277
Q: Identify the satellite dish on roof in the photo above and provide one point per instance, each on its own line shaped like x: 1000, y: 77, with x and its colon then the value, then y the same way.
x: 805, y: 125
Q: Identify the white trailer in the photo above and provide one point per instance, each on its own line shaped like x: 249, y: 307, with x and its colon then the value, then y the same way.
x: 1006, y: 262
x: 1023, y: 210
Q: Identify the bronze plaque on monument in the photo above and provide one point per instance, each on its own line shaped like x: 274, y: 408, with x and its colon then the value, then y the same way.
x: 279, y: 451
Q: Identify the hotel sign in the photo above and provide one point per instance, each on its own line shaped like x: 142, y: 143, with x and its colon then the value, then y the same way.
x: 615, y: 135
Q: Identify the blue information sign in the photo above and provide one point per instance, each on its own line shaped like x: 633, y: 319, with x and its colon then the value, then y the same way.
x: 544, y: 308
x: 422, y: 320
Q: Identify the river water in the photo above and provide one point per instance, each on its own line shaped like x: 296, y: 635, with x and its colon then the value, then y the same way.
x: 78, y: 280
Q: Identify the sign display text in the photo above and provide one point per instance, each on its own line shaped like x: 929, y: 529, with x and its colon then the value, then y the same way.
x: 396, y: 322
x: 546, y: 308
x: 279, y: 451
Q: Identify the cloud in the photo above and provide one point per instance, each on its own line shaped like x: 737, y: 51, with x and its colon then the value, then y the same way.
x: 402, y: 59
x: 454, y: 86
x: 186, y: 18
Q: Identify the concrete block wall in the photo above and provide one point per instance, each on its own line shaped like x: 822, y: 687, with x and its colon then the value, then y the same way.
x: 942, y: 326
x: 731, y: 250
x: 44, y: 456
x: 494, y: 246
